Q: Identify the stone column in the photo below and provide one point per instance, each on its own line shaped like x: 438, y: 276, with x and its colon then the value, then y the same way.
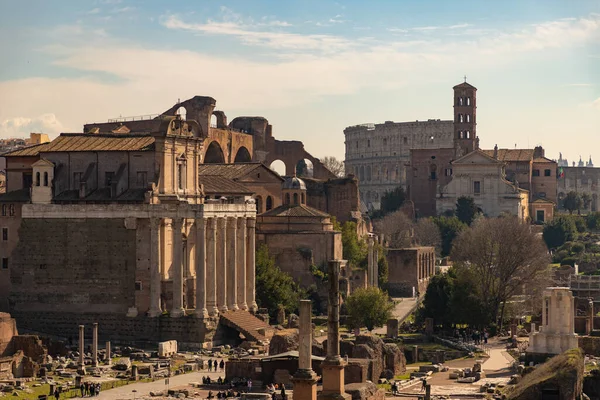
x: 81, y: 347
x: 155, y: 270
x: 333, y: 366
x: 241, y: 263
x: 177, y: 307
x: 231, y: 282
x: 305, y: 379
x: 251, y: 265
x: 370, y: 262
x: 200, y: 258
x: 107, y: 355
x: 376, y: 267
x: 211, y: 263
x: 95, y: 344
x: 591, y: 314
x: 222, y: 264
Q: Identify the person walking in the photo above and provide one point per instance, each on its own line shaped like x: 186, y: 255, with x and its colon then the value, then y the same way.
x: 283, y: 396
x: 222, y: 365
x: 249, y: 385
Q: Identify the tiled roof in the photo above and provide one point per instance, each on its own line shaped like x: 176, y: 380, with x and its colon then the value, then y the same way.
x: 89, y: 142
x: 101, y: 195
x: 294, y: 210
x: 543, y: 160
x: 217, y: 184
x: 21, y: 195
x: 232, y: 171
x: 512, y: 154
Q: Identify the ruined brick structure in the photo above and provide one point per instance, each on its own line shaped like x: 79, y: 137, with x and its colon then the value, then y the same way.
x: 409, y: 268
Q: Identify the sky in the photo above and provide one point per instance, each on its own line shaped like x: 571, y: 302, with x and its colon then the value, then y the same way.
x: 310, y: 67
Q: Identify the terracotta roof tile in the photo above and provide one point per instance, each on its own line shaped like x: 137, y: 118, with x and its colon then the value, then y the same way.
x: 232, y: 171
x: 512, y: 154
x: 218, y: 184
x: 89, y: 142
x: 295, y: 210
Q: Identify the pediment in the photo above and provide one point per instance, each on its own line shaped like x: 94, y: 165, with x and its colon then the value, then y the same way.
x: 476, y: 157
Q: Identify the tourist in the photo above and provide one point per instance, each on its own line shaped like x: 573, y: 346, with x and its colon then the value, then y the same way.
x: 222, y: 365
x: 98, y: 389
x: 283, y: 396
x: 486, y: 335
x: 273, y: 396
x: 82, y: 388
x: 210, y: 362
x: 92, y: 389
x: 249, y: 385
x: 56, y: 393
x: 210, y: 394
x: 424, y: 384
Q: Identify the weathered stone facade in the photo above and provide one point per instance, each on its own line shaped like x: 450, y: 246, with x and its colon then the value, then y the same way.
x: 580, y: 180
x: 409, y: 269
x: 377, y: 154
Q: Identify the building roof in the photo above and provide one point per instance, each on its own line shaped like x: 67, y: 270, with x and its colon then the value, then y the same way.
x: 233, y: 171
x: 101, y: 195
x: 18, y: 196
x: 464, y: 85
x: 295, y: 210
x: 88, y: 142
x: 543, y: 160
x: 293, y: 183
x: 218, y: 184
x: 542, y: 200
x: 512, y: 154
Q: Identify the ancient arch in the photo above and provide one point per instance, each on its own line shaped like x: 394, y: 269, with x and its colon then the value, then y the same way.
x: 305, y: 168
x: 214, y: 154
x: 182, y: 112
x: 269, y: 203
x: 278, y: 166
x: 243, y: 155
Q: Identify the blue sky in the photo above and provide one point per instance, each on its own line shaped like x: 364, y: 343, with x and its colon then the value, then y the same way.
x: 310, y: 67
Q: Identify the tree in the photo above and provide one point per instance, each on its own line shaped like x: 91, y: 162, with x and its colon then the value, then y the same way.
x: 274, y: 287
x: 354, y: 250
x: 427, y: 233
x: 303, y: 169
x: 334, y: 165
x: 368, y: 307
x: 593, y: 220
x: 449, y: 227
x: 397, y: 228
x: 390, y: 202
x: 572, y: 202
x: 436, y: 303
x: 466, y: 209
x: 586, y: 201
x: 503, y: 254
x: 558, y: 231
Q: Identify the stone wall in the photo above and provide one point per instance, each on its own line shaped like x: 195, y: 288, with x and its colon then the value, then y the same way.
x: 11, y: 223
x: 408, y: 268
x: 337, y: 197
x: 8, y: 330
x: 74, y: 265
x: 581, y: 180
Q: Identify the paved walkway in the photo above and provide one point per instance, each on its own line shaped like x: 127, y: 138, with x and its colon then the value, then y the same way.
x: 403, y: 309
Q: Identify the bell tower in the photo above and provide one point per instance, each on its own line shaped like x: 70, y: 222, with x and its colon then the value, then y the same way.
x: 465, y: 118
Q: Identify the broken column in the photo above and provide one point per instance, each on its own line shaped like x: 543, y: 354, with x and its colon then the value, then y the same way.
x: 107, y: 355
x: 591, y: 315
x: 370, y: 267
x: 305, y: 379
x: 95, y: 345
x: 333, y: 366
x: 81, y: 363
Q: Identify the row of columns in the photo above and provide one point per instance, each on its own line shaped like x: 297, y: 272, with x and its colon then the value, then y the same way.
x: 372, y: 262
x: 81, y: 360
x: 224, y: 266
x: 426, y: 265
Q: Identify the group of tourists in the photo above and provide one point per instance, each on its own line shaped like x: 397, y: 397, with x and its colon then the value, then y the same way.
x: 223, y: 394
x: 475, y: 336
x: 90, y: 389
x: 272, y: 388
x: 216, y: 365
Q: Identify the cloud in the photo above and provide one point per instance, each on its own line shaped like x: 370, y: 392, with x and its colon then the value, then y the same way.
x: 94, y: 11
x: 22, y: 126
x: 121, y: 10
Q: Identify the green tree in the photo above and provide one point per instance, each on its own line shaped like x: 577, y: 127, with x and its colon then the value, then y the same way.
x: 354, y: 250
x: 274, y: 287
x: 368, y: 307
x: 382, y: 266
x: 593, y: 220
x: 466, y: 209
x: 586, y: 201
x: 558, y: 231
x: 436, y: 303
x: 572, y: 202
x: 449, y: 227
x: 390, y: 202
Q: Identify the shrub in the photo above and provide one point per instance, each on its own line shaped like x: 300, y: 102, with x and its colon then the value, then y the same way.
x: 593, y: 220
x: 577, y: 247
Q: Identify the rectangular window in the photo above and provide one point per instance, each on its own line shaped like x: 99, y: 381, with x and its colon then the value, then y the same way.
x: 536, y: 172
x: 5, y: 234
x: 477, y: 187
x: 43, y: 266
x: 433, y: 175
x: 547, y: 172
x: 141, y: 179
x: 108, y: 178
x: 138, y: 285
x: 76, y: 180
x: 5, y: 263
x: 448, y: 172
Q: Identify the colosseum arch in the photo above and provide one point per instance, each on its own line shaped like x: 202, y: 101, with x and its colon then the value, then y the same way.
x: 214, y: 154
x: 243, y: 155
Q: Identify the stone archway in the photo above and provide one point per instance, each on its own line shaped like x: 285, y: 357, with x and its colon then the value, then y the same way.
x: 214, y: 154
x: 243, y: 155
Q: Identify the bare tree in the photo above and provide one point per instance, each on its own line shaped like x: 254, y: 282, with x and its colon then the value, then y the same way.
x: 334, y: 165
x: 504, y: 255
x: 397, y: 228
x: 427, y: 233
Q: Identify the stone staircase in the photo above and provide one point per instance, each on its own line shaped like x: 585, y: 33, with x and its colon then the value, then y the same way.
x: 254, y: 329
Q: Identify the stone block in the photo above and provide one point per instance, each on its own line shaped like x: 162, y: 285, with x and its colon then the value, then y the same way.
x: 167, y: 349
x: 392, y: 328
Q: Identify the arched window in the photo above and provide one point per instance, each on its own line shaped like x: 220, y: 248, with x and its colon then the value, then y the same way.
x: 468, y: 101
x: 287, y: 198
x: 258, y: 205
x: 11, y: 210
x: 269, y: 203
x: 468, y: 117
x: 303, y: 199
x: 37, y: 179
x: 295, y: 198
x: 4, y: 210
x: 433, y: 172
x: 460, y: 101
x: 45, y: 178
x: 460, y: 118
x: 468, y: 134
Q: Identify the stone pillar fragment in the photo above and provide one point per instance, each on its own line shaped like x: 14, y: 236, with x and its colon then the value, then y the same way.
x: 222, y: 264
x: 241, y: 263
x: 155, y: 269
x: 370, y: 267
x: 333, y: 366
x: 95, y: 344
x: 177, y: 306
x: 81, y: 345
x: 231, y: 282
x: 211, y: 263
x: 251, y: 265
x: 305, y: 379
x: 107, y: 355
x: 201, y: 310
